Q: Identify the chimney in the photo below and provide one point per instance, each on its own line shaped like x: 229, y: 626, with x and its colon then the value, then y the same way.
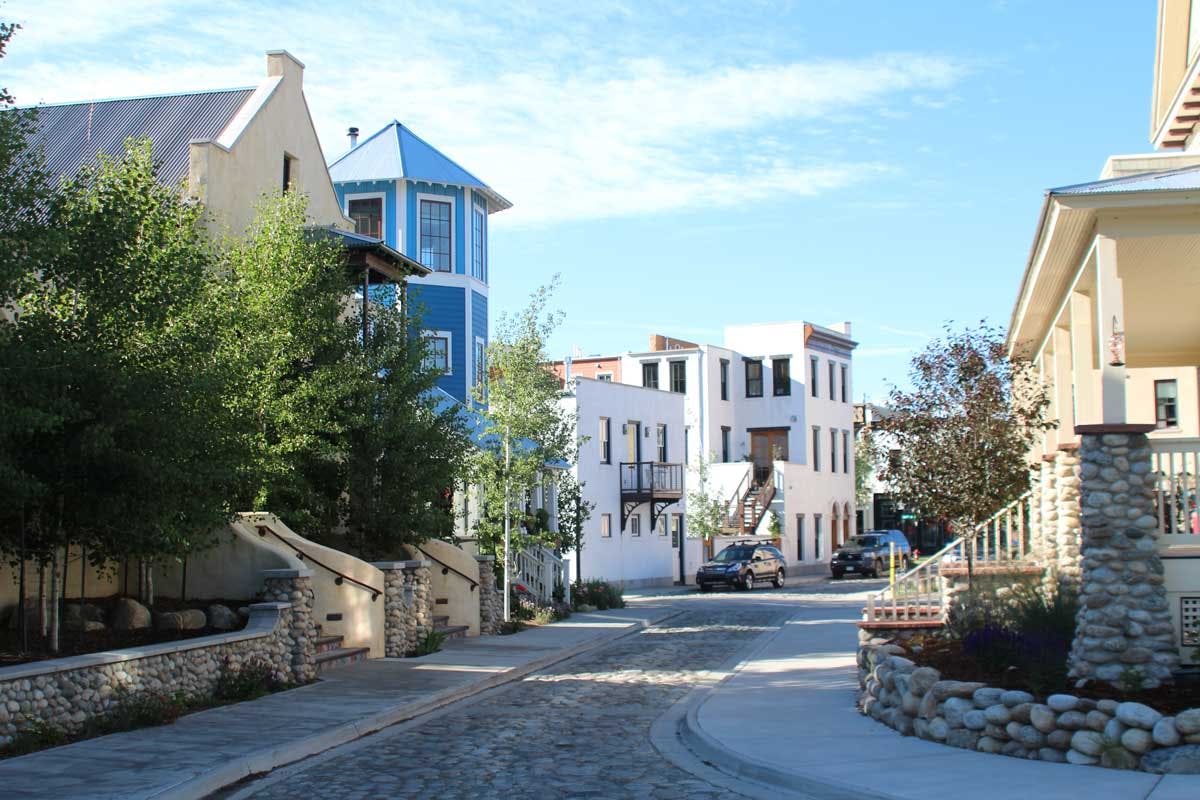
x: 353, y: 134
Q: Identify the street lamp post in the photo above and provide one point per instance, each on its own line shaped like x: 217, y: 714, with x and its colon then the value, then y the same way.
x: 507, y: 577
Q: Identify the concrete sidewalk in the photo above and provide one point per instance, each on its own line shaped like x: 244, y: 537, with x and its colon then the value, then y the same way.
x: 786, y: 717
x: 206, y: 751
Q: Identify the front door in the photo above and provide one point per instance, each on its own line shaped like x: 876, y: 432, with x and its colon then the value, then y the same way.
x: 767, y: 446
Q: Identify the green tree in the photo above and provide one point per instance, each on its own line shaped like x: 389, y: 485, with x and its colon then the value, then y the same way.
x: 963, y: 433
x: 705, y: 509
x: 865, y: 458
x: 526, y: 428
x: 574, y: 511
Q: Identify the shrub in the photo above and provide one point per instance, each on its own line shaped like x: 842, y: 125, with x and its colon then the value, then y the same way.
x: 36, y: 736
x: 600, y: 594
x: 254, y: 679
x: 140, y: 710
x: 431, y: 643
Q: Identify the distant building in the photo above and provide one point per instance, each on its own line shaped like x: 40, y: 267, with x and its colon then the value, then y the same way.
x: 396, y: 186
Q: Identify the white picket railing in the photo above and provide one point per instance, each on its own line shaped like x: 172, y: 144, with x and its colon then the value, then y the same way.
x: 917, y: 594
x: 1176, y: 463
x: 539, y: 569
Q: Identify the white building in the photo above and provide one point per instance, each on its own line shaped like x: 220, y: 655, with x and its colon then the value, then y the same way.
x: 631, y: 467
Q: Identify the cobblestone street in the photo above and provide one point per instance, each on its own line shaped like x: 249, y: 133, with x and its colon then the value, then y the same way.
x: 577, y: 730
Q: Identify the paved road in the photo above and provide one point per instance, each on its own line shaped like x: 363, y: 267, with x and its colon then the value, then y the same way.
x: 579, y: 730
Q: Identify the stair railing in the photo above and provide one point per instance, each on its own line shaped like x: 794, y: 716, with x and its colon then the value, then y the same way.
x: 446, y: 568
x: 541, y: 569
x: 341, y: 578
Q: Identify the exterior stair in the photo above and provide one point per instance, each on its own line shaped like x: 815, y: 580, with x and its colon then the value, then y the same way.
x: 441, y: 624
x: 331, y: 654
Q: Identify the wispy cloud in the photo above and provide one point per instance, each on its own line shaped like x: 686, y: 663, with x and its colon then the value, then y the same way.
x: 913, y: 334
x: 580, y: 116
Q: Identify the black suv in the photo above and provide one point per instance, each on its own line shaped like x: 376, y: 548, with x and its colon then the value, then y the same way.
x: 867, y: 554
x: 743, y: 564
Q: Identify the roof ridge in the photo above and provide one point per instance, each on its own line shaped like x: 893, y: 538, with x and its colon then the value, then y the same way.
x: 354, y: 149
x: 1123, y: 179
x: 137, y: 97
x: 415, y: 135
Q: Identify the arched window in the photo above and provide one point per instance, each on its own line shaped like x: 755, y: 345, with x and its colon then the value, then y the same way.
x: 835, y: 530
x: 847, y: 532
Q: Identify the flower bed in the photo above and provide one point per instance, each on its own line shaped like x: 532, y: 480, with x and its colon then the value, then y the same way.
x: 919, y: 701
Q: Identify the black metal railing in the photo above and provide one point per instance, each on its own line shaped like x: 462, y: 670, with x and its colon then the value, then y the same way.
x: 651, y: 478
x: 446, y: 568
x: 341, y: 578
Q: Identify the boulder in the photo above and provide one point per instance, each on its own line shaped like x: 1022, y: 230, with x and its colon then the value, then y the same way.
x: 921, y: 679
x: 1072, y: 720
x: 222, y: 618
x: 1096, y: 720
x: 955, y: 709
x: 1137, y: 741
x: 927, y: 708
x: 998, y: 714
x: 1118, y: 758
x: 1020, y: 712
x: 1076, y: 757
x: 1062, y: 702
x: 1138, y: 715
x: 1182, y: 760
x: 987, y: 696
x: 1059, y: 739
x: 129, y: 615
x: 1114, y: 729
x: 189, y: 620
x: 938, y: 729
x: 1165, y: 734
x: 947, y: 689
x: 987, y: 744
x: 962, y: 738
x: 1089, y: 743
x: 1188, y: 722
x: 1043, y: 717
x: 1051, y: 755
x: 974, y: 720
x: 193, y: 619
x: 1015, y: 698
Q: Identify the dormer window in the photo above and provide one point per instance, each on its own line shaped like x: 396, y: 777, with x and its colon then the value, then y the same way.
x: 367, y: 215
x: 435, y: 235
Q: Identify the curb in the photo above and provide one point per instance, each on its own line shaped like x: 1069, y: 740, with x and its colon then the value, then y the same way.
x: 680, y: 738
x: 267, y: 759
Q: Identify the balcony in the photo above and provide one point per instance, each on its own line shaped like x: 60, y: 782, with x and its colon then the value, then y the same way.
x: 657, y: 483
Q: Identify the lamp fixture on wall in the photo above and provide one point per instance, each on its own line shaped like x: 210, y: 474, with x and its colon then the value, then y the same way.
x: 1116, y: 345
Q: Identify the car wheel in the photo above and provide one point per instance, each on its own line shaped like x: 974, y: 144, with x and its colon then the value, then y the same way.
x: 875, y: 573
x: 837, y: 576
x: 705, y: 588
x: 778, y: 582
x: 748, y: 581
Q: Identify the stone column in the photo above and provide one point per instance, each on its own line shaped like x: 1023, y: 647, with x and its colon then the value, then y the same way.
x: 1047, y: 552
x: 408, y: 605
x: 1067, y: 533
x: 491, y: 601
x: 294, y: 586
x: 1124, y: 633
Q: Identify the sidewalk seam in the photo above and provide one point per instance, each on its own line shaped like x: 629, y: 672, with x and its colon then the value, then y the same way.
x: 267, y: 759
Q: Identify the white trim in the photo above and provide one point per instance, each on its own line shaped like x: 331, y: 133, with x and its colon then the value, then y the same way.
x: 237, y: 124
x: 401, y: 216
x: 381, y: 196
x: 483, y: 252
x: 454, y: 280
x: 479, y: 340
x: 449, y: 337
x: 439, y: 198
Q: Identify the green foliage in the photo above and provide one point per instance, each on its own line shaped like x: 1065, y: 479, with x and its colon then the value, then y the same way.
x: 866, y: 456
x: 1132, y: 679
x: 430, y: 643
x: 253, y: 679
x: 964, y: 431
x: 36, y: 736
x: 706, y: 511
x: 140, y: 710
x: 774, y: 527
x: 573, y: 511
x: 601, y: 595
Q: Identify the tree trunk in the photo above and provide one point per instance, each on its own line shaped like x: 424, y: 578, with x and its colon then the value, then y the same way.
x: 43, y: 609
x: 22, y: 615
x: 53, y: 641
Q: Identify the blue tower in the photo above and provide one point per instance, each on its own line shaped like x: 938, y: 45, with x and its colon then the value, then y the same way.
x: 399, y: 188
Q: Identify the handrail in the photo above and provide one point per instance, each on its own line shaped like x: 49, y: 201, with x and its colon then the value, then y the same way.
x: 263, y: 530
x: 447, y: 568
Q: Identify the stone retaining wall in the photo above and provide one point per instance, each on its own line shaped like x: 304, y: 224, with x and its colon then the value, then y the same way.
x: 916, y: 701
x: 491, y: 599
x: 992, y: 580
x: 66, y: 692
x: 408, y: 609
x: 294, y: 587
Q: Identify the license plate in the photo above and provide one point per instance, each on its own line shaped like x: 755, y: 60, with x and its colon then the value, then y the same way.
x: 851, y: 569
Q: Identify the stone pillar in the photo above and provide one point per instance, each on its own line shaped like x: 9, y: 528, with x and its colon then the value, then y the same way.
x: 294, y: 586
x: 1067, y: 532
x: 407, y: 611
x: 491, y: 600
x: 1124, y: 633
x: 1047, y: 553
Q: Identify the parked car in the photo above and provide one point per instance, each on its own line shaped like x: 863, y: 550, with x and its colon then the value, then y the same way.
x: 743, y: 565
x: 867, y: 554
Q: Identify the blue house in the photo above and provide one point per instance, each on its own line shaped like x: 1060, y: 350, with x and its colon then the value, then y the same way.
x: 399, y: 188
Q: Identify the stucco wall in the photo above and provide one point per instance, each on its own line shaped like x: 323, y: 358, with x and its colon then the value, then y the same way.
x: 461, y: 602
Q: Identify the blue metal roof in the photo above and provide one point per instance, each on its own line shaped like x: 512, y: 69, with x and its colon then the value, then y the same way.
x: 1175, y: 180
x: 72, y: 134
x: 395, y: 153
x: 477, y: 427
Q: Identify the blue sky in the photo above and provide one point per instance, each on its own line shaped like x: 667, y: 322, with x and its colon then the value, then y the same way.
x: 687, y: 166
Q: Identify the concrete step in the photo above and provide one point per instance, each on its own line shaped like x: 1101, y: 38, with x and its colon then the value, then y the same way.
x: 441, y: 619
x: 340, y: 657
x: 327, y: 643
x: 453, y: 631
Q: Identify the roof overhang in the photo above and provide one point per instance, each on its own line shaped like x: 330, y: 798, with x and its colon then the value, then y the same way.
x: 1179, y: 123
x: 366, y: 252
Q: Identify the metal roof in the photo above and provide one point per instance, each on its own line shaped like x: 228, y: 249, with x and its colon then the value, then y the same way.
x: 394, y: 153
x: 351, y: 241
x: 72, y: 134
x: 1175, y: 180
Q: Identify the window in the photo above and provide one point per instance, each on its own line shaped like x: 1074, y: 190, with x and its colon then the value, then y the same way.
x: 437, y: 353
x: 435, y: 235
x: 367, y: 215
x: 605, y: 445
x: 846, y: 452
x: 676, y: 529
x: 604, y: 376
x: 480, y: 362
x: 662, y: 443
x: 816, y: 454
x: 1166, y: 404
x: 799, y: 537
x: 678, y: 376
x: 845, y: 391
x: 635, y: 525
x: 662, y: 526
x: 817, y: 536
x: 781, y: 376
x: 606, y: 525
x: 724, y: 378
x: 753, y: 378
x: 650, y: 375
x: 832, y: 373
x: 477, y: 244
x: 289, y: 169
x: 812, y: 375
x: 833, y: 451
x: 725, y: 444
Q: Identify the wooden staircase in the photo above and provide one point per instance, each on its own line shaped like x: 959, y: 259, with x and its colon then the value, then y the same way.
x: 331, y: 654
x: 749, y: 504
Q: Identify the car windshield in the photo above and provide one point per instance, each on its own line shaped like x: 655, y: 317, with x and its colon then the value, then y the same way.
x: 866, y: 541
x: 731, y: 554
